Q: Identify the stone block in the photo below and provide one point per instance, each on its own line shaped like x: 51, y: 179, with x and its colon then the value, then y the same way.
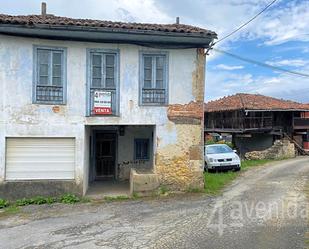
x: 143, y: 183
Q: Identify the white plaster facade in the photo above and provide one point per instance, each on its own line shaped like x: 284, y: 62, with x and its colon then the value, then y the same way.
x: 19, y: 117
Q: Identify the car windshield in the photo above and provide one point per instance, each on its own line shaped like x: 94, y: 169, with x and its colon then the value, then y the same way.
x: 218, y: 149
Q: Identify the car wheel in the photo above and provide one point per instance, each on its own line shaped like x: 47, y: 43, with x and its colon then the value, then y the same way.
x: 237, y: 169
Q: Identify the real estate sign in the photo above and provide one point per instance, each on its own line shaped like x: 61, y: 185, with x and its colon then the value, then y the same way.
x: 102, y: 103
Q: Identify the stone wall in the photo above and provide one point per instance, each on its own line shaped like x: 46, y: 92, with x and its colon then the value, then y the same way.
x: 180, y: 165
x: 281, y: 149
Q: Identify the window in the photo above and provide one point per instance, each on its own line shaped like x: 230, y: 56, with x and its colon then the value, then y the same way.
x: 141, y: 149
x: 153, y: 79
x: 103, y: 71
x: 49, y: 75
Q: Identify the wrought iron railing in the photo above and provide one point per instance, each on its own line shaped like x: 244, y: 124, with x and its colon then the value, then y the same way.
x: 114, y: 99
x: 49, y: 94
x: 153, y: 96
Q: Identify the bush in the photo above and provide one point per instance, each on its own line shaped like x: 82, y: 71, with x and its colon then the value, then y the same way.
x: 39, y: 200
x: 51, y: 200
x: 24, y: 202
x: 3, y: 203
x: 163, y: 190
x: 69, y: 198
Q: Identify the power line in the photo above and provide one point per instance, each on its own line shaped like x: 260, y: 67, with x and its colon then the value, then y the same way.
x: 262, y: 64
x: 246, y: 23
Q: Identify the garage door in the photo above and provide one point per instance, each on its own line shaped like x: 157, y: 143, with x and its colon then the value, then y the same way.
x: 40, y: 158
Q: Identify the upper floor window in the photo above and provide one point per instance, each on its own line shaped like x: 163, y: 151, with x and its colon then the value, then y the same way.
x: 153, y: 79
x: 103, y: 81
x: 103, y: 70
x: 49, y: 75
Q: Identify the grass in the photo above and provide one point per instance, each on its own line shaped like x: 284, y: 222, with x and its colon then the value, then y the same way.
x: 10, y: 210
x: 116, y: 198
x: 68, y: 198
x: 215, y: 182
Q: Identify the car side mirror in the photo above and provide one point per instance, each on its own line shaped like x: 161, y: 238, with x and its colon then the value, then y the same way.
x: 235, y: 151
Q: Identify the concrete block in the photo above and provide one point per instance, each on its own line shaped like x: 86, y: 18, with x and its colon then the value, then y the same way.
x: 143, y: 183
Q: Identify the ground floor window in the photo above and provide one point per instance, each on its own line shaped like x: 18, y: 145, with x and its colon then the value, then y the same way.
x: 141, y: 149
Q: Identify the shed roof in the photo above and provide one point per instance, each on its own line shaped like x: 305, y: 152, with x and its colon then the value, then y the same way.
x: 245, y: 101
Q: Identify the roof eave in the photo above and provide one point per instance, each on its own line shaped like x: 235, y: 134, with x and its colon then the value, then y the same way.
x: 277, y: 110
x: 94, y: 34
x: 259, y: 110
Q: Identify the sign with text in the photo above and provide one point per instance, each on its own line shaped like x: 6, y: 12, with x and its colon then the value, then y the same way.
x: 102, y: 103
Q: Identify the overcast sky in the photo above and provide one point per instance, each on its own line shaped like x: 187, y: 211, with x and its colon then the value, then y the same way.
x: 280, y: 37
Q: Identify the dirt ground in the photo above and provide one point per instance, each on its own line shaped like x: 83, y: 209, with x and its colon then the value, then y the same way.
x: 264, y: 208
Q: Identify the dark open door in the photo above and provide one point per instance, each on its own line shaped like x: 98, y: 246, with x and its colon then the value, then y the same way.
x: 105, y: 156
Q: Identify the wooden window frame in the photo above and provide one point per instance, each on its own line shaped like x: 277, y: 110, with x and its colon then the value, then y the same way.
x: 153, y: 55
x: 115, y: 52
x: 36, y: 76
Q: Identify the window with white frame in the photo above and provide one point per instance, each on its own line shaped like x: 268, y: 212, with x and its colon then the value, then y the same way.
x: 153, y: 79
x: 103, y: 75
x: 49, y: 80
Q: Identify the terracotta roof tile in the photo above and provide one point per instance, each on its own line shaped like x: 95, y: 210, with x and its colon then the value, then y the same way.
x: 33, y: 20
x: 252, y: 102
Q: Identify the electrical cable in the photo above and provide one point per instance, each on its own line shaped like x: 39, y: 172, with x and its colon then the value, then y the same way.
x: 262, y: 64
x: 246, y: 23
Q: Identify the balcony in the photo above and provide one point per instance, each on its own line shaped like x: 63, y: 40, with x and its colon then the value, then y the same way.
x: 52, y: 94
x: 151, y: 96
x: 300, y: 123
x: 239, y: 124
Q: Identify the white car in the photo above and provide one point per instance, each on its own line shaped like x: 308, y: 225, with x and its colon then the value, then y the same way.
x: 221, y: 157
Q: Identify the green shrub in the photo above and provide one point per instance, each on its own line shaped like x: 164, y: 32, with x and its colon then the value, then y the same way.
x: 210, y: 141
x: 163, y: 190
x: 24, y: 202
x: 69, y: 198
x: 51, y: 200
x: 39, y: 200
x: 135, y: 195
x: 3, y: 203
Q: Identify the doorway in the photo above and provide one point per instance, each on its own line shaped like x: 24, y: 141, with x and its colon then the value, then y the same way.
x: 105, y: 156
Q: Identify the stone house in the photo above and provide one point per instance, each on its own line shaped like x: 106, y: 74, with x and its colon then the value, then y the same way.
x: 256, y: 122
x: 85, y: 101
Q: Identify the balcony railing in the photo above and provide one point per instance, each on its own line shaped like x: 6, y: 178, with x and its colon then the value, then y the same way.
x: 300, y: 123
x: 153, y: 96
x: 49, y: 94
x: 114, y: 99
x: 240, y: 123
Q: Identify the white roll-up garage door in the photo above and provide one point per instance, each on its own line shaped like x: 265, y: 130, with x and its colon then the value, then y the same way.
x: 40, y: 158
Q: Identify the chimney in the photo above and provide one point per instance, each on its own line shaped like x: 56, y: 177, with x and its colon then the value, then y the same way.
x: 43, y: 9
x: 177, y: 20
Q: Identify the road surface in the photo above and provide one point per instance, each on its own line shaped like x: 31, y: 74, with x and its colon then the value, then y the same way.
x: 264, y: 208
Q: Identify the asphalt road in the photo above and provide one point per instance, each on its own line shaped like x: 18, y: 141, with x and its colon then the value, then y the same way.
x: 264, y: 208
